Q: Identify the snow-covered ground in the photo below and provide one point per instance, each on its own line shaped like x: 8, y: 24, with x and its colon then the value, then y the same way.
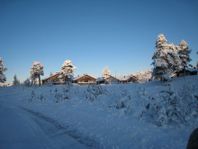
x: 120, y: 116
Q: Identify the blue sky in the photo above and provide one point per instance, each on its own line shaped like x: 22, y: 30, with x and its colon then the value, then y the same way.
x: 120, y: 34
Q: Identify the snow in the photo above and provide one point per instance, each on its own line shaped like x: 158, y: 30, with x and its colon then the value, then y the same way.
x: 19, y: 131
x: 99, y: 116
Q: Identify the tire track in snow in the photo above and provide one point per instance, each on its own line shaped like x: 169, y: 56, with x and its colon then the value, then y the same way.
x: 56, y: 129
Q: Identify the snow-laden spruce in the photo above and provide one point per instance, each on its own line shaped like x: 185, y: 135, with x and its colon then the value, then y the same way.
x: 2, y: 70
x: 184, y: 54
x: 169, y: 59
x: 35, y: 72
x: 67, y: 71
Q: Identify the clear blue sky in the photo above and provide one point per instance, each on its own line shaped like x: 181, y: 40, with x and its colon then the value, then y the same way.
x: 120, y: 34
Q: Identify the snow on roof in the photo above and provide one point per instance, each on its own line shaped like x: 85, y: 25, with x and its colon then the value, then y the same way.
x: 125, y: 78
x: 114, y: 77
x: 80, y: 76
x: 57, y: 73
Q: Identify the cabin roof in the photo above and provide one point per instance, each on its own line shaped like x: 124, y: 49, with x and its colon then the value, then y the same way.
x: 110, y: 76
x: 126, y: 78
x: 79, y: 77
x: 53, y: 75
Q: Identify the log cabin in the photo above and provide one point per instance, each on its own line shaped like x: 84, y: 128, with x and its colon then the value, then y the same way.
x: 56, y: 79
x: 85, y: 80
x: 53, y: 79
x: 129, y: 79
x: 112, y: 80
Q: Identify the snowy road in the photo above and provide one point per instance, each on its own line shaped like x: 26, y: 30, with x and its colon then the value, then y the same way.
x: 22, y: 129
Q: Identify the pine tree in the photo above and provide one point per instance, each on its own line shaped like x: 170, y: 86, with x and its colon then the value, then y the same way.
x: 67, y: 71
x: 2, y: 70
x: 161, y: 40
x: 36, y: 72
x: 173, y: 59
x: 161, y: 69
x: 184, y: 54
x: 16, y: 81
x: 106, y: 72
x: 169, y: 60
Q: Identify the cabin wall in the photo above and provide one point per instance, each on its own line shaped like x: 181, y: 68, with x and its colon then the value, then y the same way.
x: 86, y: 80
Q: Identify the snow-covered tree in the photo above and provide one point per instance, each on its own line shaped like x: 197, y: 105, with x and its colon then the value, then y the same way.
x: 67, y: 71
x: 161, y: 67
x: 106, y: 72
x: 170, y: 107
x: 2, y: 70
x: 184, y: 54
x: 169, y: 59
x: 15, y: 81
x: 161, y: 40
x: 36, y: 72
x: 174, y: 61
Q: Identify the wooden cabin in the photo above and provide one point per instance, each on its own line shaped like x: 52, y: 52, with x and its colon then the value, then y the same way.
x: 53, y: 79
x: 132, y: 79
x: 56, y: 79
x: 129, y: 79
x: 112, y: 80
x: 85, y: 79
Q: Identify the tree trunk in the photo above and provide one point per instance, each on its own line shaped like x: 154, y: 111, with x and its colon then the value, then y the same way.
x: 39, y: 80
